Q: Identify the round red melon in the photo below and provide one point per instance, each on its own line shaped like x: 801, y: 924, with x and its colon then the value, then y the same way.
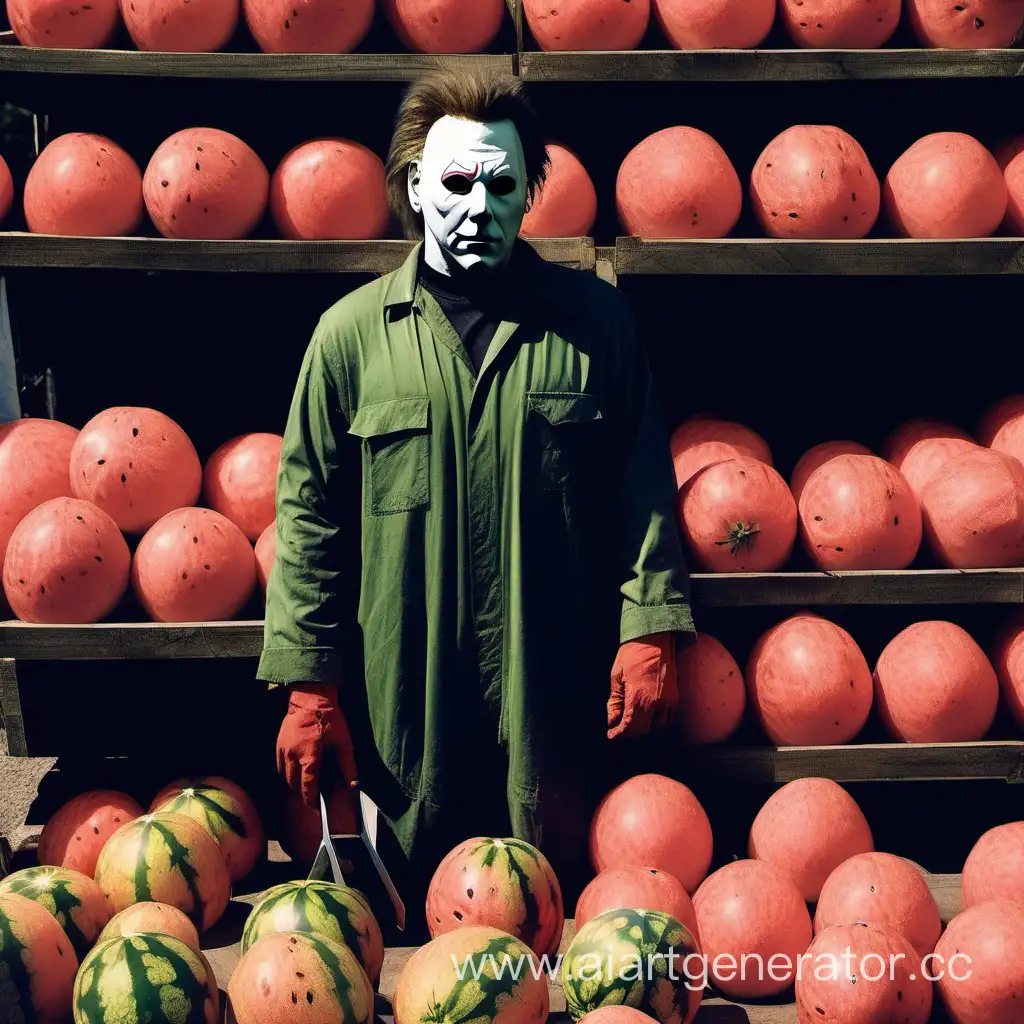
x: 240, y: 481
x: 807, y: 829
x: 266, y: 553
x: 678, y: 183
x: 193, y: 565
x: 720, y: 24
x: 815, y: 181
x: 698, y: 442
x: 862, y: 973
x: 907, y: 434
x: 630, y: 887
x: 445, y: 26
x: 712, y: 696
x: 500, y: 883
x: 434, y: 976
x: 883, y: 890
x: 63, y: 24
x: 1002, y: 426
x: 1010, y: 157
x: 83, y: 184
x: 840, y: 24
x: 6, y: 189
x: 279, y: 970
x: 967, y: 25
x: 136, y: 464
x: 566, y: 205
x: 1008, y: 661
x: 926, y: 459
x: 152, y: 917
x: 329, y: 189
x: 754, y: 926
x: 616, y: 1014
x: 809, y: 682
x: 816, y: 457
x: 979, y: 964
x: 654, y: 822
x: 587, y: 24
x: 738, y: 516
x: 66, y: 562
x: 226, y: 811
x: 35, y: 465
x: 166, y: 858
x: 37, y: 963
x: 857, y: 512
x: 75, y: 834
x: 205, y: 183
x: 308, y: 26
x: 934, y: 684
x: 974, y: 511
x: 994, y: 869
x: 946, y: 185
x: 181, y: 26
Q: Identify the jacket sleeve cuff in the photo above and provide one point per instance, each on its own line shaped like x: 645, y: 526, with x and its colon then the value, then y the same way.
x: 285, y: 666
x: 638, y: 621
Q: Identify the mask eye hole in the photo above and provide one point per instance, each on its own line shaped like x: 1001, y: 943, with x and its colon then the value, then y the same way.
x: 460, y: 184
x: 503, y: 186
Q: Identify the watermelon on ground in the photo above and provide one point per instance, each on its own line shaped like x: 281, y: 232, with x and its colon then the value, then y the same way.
x: 321, y: 908
x: 146, y: 979
x: 72, y: 898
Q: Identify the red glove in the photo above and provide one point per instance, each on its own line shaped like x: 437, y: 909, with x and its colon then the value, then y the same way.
x: 314, y: 728
x: 644, y: 688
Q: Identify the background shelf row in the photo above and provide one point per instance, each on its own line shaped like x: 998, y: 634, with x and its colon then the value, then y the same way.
x: 629, y: 256
x: 767, y: 65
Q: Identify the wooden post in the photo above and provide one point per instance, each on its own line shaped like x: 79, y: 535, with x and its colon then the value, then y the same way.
x: 10, y: 709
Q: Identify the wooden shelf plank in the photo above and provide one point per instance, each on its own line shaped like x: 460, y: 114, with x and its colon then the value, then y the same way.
x: 280, y: 67
x: 903, y: 586
x: 862, y: 258
x: 860, y: 762
x: 268, y: 256
x: 792, y: 65
x: 119, y: 641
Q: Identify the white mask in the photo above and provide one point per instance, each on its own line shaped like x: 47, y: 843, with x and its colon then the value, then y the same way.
x: 470, y: 187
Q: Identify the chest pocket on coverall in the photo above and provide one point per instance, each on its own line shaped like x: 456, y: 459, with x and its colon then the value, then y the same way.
x: 396, y: 454
x: 569, y: 440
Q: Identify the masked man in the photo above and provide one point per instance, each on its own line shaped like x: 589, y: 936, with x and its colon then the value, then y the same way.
x: 475, y: 513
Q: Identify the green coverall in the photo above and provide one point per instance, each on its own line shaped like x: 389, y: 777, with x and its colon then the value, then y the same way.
x: 463, y: 554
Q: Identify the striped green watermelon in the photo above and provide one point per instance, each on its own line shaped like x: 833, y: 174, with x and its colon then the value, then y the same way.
x: 146, y: 979
x: 72, y: 898
x: 299, y: 976
x: 501, y: 883
x: 165, y: 858
x: 634, y: 958
x: 226, y: 811
x: 473, y: 974
x: 37, y: 964
x: 323, y: 908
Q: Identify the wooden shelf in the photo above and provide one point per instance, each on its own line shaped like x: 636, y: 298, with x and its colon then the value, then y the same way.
x: 265, y: 256
x: 792, y: 65
x: 889, y: 257
x: 160, y: 640
x: 860, y: 762
x: 893, y: 587
x: 279, y: 67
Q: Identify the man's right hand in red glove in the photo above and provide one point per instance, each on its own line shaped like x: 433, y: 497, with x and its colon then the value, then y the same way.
x: 314, y: 730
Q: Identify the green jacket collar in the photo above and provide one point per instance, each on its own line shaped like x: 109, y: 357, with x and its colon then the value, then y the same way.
x: 538, y: 280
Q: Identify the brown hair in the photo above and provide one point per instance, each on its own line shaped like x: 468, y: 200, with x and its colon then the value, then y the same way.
x: 472, y: 96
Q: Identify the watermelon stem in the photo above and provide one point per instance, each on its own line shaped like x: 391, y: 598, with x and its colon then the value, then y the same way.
x: 740, y: 536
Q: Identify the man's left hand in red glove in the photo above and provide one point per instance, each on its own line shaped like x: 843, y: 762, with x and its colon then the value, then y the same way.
x: 644, y: 690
